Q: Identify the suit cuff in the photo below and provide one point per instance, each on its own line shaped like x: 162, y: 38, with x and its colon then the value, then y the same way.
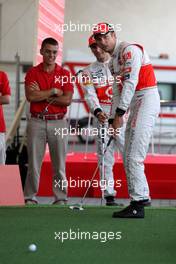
x: 110, y: 121
x: 96, y: 111
x: 120, y: 112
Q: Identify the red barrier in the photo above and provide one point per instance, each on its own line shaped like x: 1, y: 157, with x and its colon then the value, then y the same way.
x: 10, y: 186
x: 160, y: 171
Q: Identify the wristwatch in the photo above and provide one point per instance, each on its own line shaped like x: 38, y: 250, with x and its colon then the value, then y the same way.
x: 53, y: 91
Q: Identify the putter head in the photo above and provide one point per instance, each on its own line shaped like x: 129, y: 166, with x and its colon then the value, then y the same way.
x: 76, y: 207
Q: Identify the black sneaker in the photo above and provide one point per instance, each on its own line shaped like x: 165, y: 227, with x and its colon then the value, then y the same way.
x: 134, y: 210
x: 110, y: 201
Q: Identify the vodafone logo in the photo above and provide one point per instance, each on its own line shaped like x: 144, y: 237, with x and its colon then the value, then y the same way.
x: 108, y: 92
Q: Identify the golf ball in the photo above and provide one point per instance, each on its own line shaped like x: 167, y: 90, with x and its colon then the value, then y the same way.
x: 32, y: 247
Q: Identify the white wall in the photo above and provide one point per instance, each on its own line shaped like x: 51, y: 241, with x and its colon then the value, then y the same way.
x: 17, y: 29
x: 151, y: 23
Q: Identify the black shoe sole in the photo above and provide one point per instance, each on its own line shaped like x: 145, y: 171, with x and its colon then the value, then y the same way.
x: 147, y: 204
x: 114, y: 204
x: 127, y: 216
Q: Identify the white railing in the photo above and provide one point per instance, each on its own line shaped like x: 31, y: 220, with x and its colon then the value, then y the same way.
x: 162, y: 141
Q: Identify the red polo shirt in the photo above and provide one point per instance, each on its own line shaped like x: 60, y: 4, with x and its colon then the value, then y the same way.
x: 4, y: 90
x: 47, y: 81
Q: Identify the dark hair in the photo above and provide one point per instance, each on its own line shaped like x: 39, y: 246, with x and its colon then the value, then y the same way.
x: 50, y: 41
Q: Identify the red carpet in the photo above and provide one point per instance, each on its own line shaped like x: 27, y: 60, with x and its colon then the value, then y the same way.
x: 160, y: 171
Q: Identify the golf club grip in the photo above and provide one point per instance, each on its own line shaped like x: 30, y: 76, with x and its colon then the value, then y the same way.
x: 103, y: 133
x: 80, y: 71
x: 109, y: 141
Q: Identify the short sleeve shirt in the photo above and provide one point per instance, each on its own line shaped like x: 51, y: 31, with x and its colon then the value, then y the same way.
x: 4, y: 90
x: 47, y: 81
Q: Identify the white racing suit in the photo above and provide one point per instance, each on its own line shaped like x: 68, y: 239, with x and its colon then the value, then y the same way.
x: 139, y: 94
x: 97, y: 85
x: 2, y: 148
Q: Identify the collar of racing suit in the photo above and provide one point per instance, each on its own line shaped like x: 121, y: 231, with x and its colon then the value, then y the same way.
x: 105, y: 63
x: 116, y: 48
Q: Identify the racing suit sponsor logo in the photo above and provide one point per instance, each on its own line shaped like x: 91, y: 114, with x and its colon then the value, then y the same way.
x: 127, y: 63
x: 127, y: 69
x: 127, y: 56
x: 104, y: 94
x: 109, y: 92
x: 97, y: 74
x: 126, y: 77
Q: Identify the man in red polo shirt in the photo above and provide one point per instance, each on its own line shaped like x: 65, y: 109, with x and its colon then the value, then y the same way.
x: 49, y: 90
x: 4, y: 99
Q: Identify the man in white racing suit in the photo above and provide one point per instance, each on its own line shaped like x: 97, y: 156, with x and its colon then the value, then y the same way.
x: 97, y: 86
x: 137, y: 93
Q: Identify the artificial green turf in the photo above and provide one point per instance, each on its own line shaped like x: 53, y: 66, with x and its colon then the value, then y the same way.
x: 151, y: 240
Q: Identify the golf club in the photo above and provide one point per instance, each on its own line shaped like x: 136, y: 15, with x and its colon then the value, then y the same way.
x: 46, y: 108
x: 102, y: 176
x: 79, y: 206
